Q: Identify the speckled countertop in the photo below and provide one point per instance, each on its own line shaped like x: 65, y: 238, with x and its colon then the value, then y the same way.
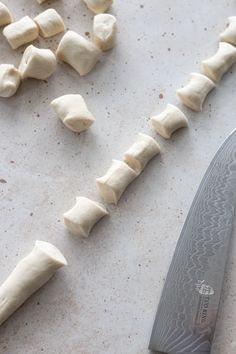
x: 105, y: 300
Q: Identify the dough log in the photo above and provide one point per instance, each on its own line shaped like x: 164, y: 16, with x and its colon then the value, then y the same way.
x: 50, y: 23
x: 10, y: 80
x: 29, y: 275
x: 104, y: 31
x: 98, y: 6
x: 5, y: 15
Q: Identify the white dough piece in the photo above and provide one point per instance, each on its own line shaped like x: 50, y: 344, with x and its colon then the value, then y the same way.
x: 104, y: 31
x: 50, y: 23
x: 83, y: 216
x: 216, y: 66
x: 5, y: 15
x: 78, y: 52
x: 141, y: 152
x: 195, y: 92
x: 73, y: 112
x: 10, y: 80
x: 229, y: 34
x: 98, y: 6
x: 113, y: 184
x: 37, y: 63
x: 21, y: 32
x: 171, y: 119
x: 29, y: 275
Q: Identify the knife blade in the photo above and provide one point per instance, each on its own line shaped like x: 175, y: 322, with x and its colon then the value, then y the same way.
x: 187, y: 311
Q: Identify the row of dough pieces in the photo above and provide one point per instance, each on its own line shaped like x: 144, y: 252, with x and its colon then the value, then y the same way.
x: 40, y: 64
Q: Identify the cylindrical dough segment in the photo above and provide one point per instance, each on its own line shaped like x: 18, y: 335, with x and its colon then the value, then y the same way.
x: 37, y: 63
x: 73, y: 112
x: 98, y: 6
x: 195, y: 92
x: 104, y: 31
x: 21, y: 32
x: 83, y: 216
x: 216, y: 66
x: 113, y: 184
x: 141, y: 152
x: 5, y: 15
x: 229, y: 34
x: 29, y: 275
x: 171, y: 119
x: 50, y: 23
x: 9, y: 80
x: 78, y: 52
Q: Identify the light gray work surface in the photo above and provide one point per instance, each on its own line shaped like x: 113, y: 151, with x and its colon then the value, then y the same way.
x: 105, y: 300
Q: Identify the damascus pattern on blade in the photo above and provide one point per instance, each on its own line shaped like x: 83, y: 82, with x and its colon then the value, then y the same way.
x: 187, y: 312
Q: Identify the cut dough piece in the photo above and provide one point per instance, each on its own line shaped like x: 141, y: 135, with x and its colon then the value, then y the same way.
x: 104, y: 31
x: 9, y: 80
x: 83, y: 216
x: 171, y: 119
x: 29, y: 275
x: 141, y: 152
x: 73, y: 112
x: 229, y: 34
x: 50, y: 23
x: 5, y: 15
x: 113, y: 184
x: 216, y: 66
x: 21, y: 32
x: 37, y: 63
x: 78, y: 52
x: 98, y: 6
x: 195, y: 92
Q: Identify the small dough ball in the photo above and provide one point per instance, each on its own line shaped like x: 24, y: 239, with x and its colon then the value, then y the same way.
x: 9, y: 80
x: 229, y: 34
x: 50, y: 23
x: 73, y: 112
x: 98, y: 6
x: 21, y: 32
x: 104, y: 31
x: 5, y: 15
x: 83, y: 216
x: 37, y: 63
x: 78, y: 52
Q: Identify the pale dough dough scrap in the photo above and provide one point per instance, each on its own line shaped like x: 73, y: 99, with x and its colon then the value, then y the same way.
x: 195, y: 92
x: 171, y: 119
x: 73, y: 112
x: 29, y: 275
x: 113, y: 184
x: 104, y: 31
x: 21, y: 32
x: 10, y: 80
x: 217, y: 65
x: 37, y: 63
x: 98, y: 6
x: 50, y: 23
x: 229, y: 34
x: 83, y: 216
x: 141, y: 152
x: 78, y: 52
x: 5, y: 15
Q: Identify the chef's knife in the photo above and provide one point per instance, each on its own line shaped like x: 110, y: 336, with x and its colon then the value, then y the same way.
x: 187, y: 312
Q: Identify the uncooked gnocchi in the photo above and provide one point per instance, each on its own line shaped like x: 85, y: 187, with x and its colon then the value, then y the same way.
x: 5, y: 15
x: 49, y: 23
x: 98, y: 6
x: 229, y: 34
x: 104, y: 31
x: 10, y: 80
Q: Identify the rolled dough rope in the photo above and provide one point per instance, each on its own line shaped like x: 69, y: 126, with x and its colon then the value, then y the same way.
x: 229, y: 34
x: 78, y: 52
x: 5, y: 15
x: 216, y: 66
x: 29, y: 275
x: 141, y: 152
x: 21, y: 32
x: 50, y: 23
x: 83, y: 216
x: 10, y: 80
x: 171, y: 119
x: 98, y: 6
x: 104, y: 31
x: 113, y: 184
x: 37, y: 63
x: 195, y: 92
x: 73, y: 112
